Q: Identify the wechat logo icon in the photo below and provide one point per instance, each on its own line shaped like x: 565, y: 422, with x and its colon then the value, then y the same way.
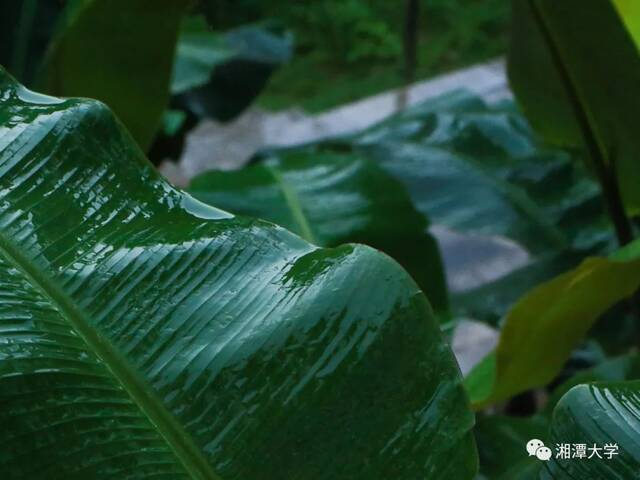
x: 536, y: 448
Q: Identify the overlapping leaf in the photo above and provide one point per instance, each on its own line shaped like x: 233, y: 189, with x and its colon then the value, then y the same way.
x: 479, y: 169
x: 329, y: 199
x: 120, y: 52
x: 577, y: 87
x: 144, y: 334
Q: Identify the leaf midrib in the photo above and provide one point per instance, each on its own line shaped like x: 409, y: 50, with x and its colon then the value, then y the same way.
x: 295, y: 206
x: 139, y: 391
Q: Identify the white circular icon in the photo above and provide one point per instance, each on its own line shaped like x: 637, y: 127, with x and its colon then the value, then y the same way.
x: 533, y: 445
x: 543, y: 453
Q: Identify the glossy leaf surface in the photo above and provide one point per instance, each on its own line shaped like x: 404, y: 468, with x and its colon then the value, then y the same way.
x: 146, y: 335
x: 478, y: 169
x: 329, y: 199
x: 600, y: 414
x: 120, y: 52
x: 545, y: 325
x: 579, y: 88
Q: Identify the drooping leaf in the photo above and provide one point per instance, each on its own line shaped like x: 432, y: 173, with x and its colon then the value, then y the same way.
x: 145, y: 334
x: 577, y: 87
x: 597, y: 415
x: 120, y: 52
x: 478, y: 169
x: 217, y: 75
x: 330, y: 199
x: 546, y: 324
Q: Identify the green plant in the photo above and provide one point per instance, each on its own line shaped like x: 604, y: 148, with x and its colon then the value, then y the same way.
x: 145, y: 333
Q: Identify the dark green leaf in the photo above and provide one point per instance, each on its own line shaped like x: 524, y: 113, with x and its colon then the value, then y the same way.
x: 501, y: 444
x: 120, y: 52
x: 145, y: 334
x: 597, y: 414
x: 571, y: 62
x: 329, y: 199
x: 479, y: 169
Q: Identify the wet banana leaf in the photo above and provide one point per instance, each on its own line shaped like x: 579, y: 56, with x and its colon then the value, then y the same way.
x: 329, y: 199
x: 579, y: 88
x: 545, y: 325
x: 605, y: 419
x: 145, y: 334
x: 120, y: 52
x: 478, y: 169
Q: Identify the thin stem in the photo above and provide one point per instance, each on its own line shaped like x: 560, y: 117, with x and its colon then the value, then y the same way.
x: 603, y: 161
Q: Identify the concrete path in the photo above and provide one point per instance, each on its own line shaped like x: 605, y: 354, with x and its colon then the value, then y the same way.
x: 212, y: 145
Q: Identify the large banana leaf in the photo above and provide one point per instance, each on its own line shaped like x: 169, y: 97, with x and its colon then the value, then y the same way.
x: 478, y: 169
x: 597, y: 415
x: 144, y: 334
x: 120, y: 52
x: 579, y: 88
x: 329, y: 199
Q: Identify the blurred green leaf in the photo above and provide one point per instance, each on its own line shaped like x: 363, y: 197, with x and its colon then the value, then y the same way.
x: 120, y: 52
x: 329, y: 199
x: 26, y: 27
x: 597, y: 415
x: 545, y: 325
x: 501, y: 444
x: 147, y: 334
x: 198, y: 52
x: 573, y: 70
x: 629, y: 11
x: 217, y: 75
